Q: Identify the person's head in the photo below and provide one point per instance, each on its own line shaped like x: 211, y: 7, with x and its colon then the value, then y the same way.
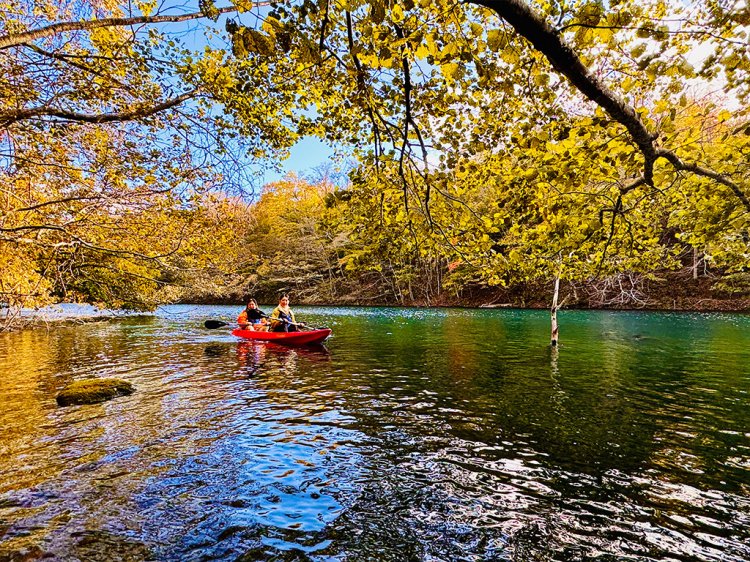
x: 284, y: 300
x: 252, y: 304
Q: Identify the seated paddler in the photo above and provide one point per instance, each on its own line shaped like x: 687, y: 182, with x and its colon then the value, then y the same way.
x: 282, y: 317
x: 252, y: 318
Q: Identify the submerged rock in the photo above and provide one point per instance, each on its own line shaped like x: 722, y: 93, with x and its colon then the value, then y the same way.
x: 91, y: 391
x: 99, y: 544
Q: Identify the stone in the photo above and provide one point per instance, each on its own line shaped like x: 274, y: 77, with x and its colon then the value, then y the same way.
x: 91, y: 391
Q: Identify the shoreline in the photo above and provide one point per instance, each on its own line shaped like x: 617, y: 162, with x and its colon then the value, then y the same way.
x: 61, y: 314
x: 740, y: 305
x: 54, y: 317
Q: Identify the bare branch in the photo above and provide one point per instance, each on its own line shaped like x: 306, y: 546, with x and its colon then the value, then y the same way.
x: 57, y: 202
x: 16, y: 39
x: 9, y: 117
x: 70, y: 61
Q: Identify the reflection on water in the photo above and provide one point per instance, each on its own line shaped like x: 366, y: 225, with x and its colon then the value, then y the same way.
x: 412, y: 435
x: 258, y: 355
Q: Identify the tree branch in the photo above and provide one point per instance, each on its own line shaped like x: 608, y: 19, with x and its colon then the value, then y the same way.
x: 407, y: 120
x: 57, y: 202
x: 705, y: 172
x: 68, y: 60
x: 324, y: 28
x: 548, y: 41
x: 14, y: 40
x: 364, y: 91
x: 7, y: 118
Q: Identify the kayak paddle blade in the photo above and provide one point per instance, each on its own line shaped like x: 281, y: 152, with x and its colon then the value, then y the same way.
x: 211, y: 324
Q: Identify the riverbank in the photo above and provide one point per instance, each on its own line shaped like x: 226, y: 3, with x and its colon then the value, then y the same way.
x: 57, y: 315
x: 661, y: 295
x: 674, y: 292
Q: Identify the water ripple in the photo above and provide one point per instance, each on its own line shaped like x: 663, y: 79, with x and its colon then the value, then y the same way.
x: 416, y: 434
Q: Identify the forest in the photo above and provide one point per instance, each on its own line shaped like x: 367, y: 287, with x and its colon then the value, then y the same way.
x: 510, y: 152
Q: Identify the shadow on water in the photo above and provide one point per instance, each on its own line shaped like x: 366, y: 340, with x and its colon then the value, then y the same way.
x: 414, y: 434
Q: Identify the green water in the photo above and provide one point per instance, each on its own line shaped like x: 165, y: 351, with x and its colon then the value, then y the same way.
x: 413, y: 434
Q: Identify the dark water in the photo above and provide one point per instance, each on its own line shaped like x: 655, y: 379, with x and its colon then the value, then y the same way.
x: 413, y: 435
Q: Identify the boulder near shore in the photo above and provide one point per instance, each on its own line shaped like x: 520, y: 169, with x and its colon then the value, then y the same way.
x: 91, y: 391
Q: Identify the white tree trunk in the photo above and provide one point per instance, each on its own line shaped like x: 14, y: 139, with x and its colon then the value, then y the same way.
x: 553, y: 312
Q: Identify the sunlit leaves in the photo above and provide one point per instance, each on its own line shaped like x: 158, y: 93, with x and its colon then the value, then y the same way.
x: 209, y: 9
x: 496, y: 39
x: 246, y: 41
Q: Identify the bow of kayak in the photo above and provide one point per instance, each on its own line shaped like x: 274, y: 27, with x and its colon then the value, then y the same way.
x: 285, y: 338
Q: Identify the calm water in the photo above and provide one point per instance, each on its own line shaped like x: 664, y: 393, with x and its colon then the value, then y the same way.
x: 412, y: 435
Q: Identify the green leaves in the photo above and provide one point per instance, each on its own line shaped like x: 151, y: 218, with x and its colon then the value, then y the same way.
x: 246, y: 41
x: 472, y: 146
x: 209, y: 9
x: 496, y: 39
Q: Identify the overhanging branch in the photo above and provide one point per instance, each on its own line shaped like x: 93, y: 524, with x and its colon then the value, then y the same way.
x: 7, y: 118
x: 548, y: 41
x: 705, y: 172
x: 16, y: 39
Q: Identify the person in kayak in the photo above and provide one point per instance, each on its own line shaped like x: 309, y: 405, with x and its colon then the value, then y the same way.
x: 252, y: 318
x: 282, y: 317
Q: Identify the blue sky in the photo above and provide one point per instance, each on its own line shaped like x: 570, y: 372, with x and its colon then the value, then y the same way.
x: 306, y: 154
x: 309, y: 152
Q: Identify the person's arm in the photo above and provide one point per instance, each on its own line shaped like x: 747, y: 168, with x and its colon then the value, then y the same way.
x: 242, y: 320
x: 275, y: 317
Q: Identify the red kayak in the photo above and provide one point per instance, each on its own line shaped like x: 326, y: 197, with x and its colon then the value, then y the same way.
x: 285, y: 338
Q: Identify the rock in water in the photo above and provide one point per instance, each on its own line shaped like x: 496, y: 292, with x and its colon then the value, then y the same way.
x: 91, y: 391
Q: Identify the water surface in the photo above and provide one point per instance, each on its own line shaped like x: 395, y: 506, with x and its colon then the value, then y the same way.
x: 414, y: 434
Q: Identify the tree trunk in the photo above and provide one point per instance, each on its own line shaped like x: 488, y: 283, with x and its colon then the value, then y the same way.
x: 695, y: 263
x: 553, y: 312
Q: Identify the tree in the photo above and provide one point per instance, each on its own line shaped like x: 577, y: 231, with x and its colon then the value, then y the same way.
x: 436, y: 58
x: 592, y: 16
x: 593, y: 48
x: 110, y: 132
x: 373, y: 52
x: 283, y: 246
x: 429, y: 92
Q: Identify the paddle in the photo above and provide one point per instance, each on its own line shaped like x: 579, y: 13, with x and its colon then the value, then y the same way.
x: 211, y: 324
x: 302, y: 324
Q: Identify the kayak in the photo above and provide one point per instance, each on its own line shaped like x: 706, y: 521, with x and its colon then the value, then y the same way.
x: 285, y: 338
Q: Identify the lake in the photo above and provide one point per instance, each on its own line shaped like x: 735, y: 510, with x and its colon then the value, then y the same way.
x: 413, y: 434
